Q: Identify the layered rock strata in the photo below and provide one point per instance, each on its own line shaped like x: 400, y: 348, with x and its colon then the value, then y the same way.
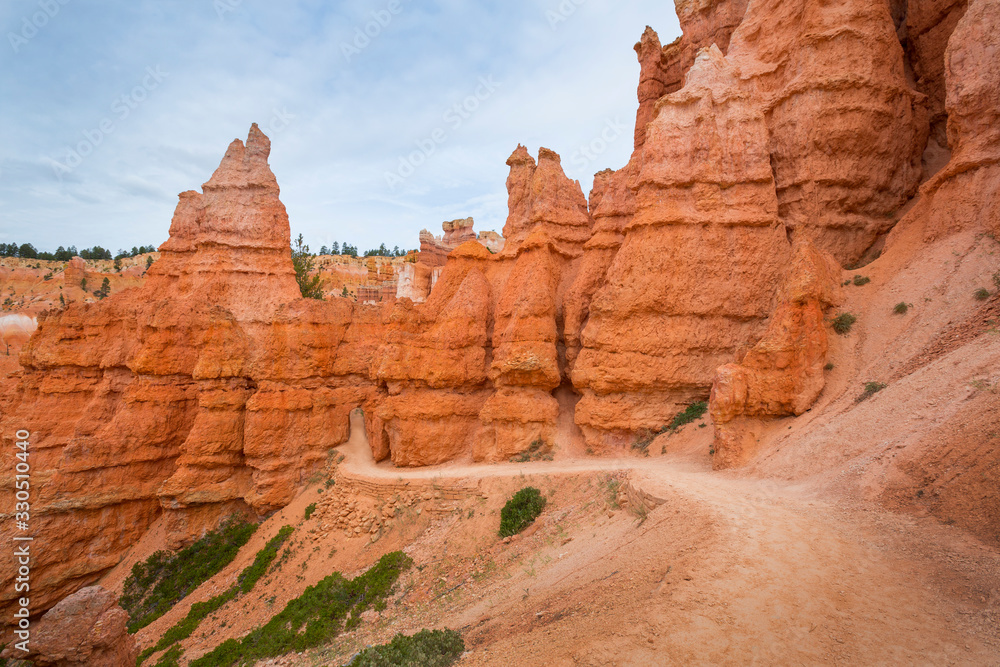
x: 783, y: 374
x: 694, y: 278
x: 774, y: 140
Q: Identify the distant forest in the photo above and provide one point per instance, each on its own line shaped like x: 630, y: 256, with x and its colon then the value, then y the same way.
x: 352, y: 251
x: 62, y: 254
x: 28, y: 251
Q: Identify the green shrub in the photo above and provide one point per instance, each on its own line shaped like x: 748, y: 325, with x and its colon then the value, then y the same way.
x: 186, y: 626
x: 520, y: 511
x: 310, y: 509
x: 828, y: 367
x: 693, y: 412
x: 165, y: 579
x: 201, y: 610
x: 842, y: 323
x: 427, y: 648
x: 901, y: 308
x: 252, y: 573
x: 318, y: 615
x: 538, y: 450
x: 861, y: 280
x: 871, y: 388
x: 171, y: 658
x: 981, y: 294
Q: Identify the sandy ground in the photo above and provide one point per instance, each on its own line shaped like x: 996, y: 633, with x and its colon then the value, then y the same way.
x: 721, y: 570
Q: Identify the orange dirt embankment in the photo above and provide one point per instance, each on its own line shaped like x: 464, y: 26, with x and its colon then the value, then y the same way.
x: 634, y: 561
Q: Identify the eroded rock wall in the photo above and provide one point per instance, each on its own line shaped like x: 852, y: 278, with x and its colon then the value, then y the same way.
x: 775, y: 141
x: 694, y: 278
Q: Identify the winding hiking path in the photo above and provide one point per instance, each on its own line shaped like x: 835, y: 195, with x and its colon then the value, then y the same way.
x: 727, y: 570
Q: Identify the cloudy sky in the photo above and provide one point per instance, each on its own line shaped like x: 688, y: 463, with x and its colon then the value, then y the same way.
x: 111, y: 108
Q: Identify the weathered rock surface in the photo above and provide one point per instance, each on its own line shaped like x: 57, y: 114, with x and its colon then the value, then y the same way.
x: 663, y: 68
x: 417, y: 279
x: 783, y: 374
x: 695, y: 276
x: 86, y: 629
x: 925, y: 27
x: 964, y: 194
x: 775, y: 140
x: 137, y: 405
x: 540, y: 197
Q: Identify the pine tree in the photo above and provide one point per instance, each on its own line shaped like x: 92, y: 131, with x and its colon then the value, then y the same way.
x: 310, y: 286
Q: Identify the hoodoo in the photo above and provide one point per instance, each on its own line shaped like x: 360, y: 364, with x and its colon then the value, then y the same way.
x: 796, y: 164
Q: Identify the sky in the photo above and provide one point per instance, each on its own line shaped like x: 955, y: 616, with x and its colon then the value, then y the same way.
x: 385, y: 116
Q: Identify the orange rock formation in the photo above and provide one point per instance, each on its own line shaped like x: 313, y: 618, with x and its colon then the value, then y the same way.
x: 86, y: 629
x: 775, y: 141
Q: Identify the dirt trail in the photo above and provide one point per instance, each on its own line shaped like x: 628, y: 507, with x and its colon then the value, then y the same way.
x: 727, y: 571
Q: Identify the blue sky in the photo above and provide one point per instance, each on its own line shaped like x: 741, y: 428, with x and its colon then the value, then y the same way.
x: 109, y: 109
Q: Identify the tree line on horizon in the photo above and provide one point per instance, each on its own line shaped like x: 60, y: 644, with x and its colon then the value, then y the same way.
x: 349, y: 250
x: 63, y: 254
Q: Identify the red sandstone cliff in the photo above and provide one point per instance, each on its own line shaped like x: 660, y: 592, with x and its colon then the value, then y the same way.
x: 775, y: 142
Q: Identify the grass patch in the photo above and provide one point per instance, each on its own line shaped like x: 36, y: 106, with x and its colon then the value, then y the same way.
x: 901, y: 308
x: 321, y: 613
x: 646, y: 436
x: 860, y: 281
x: 871, y: 388
x: 981, y: 294
x: 538, y: 450
x: 520, y: 511
x: 691, y: 413
x: 427, y: 648
x: 641, y: 512
x: 843, y: 323
x: 611, y: 485
x: 171, y: 658
x: 252, y: 573
x: 164, y: 579
x: 201, y: 610
x: 309, y: 510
